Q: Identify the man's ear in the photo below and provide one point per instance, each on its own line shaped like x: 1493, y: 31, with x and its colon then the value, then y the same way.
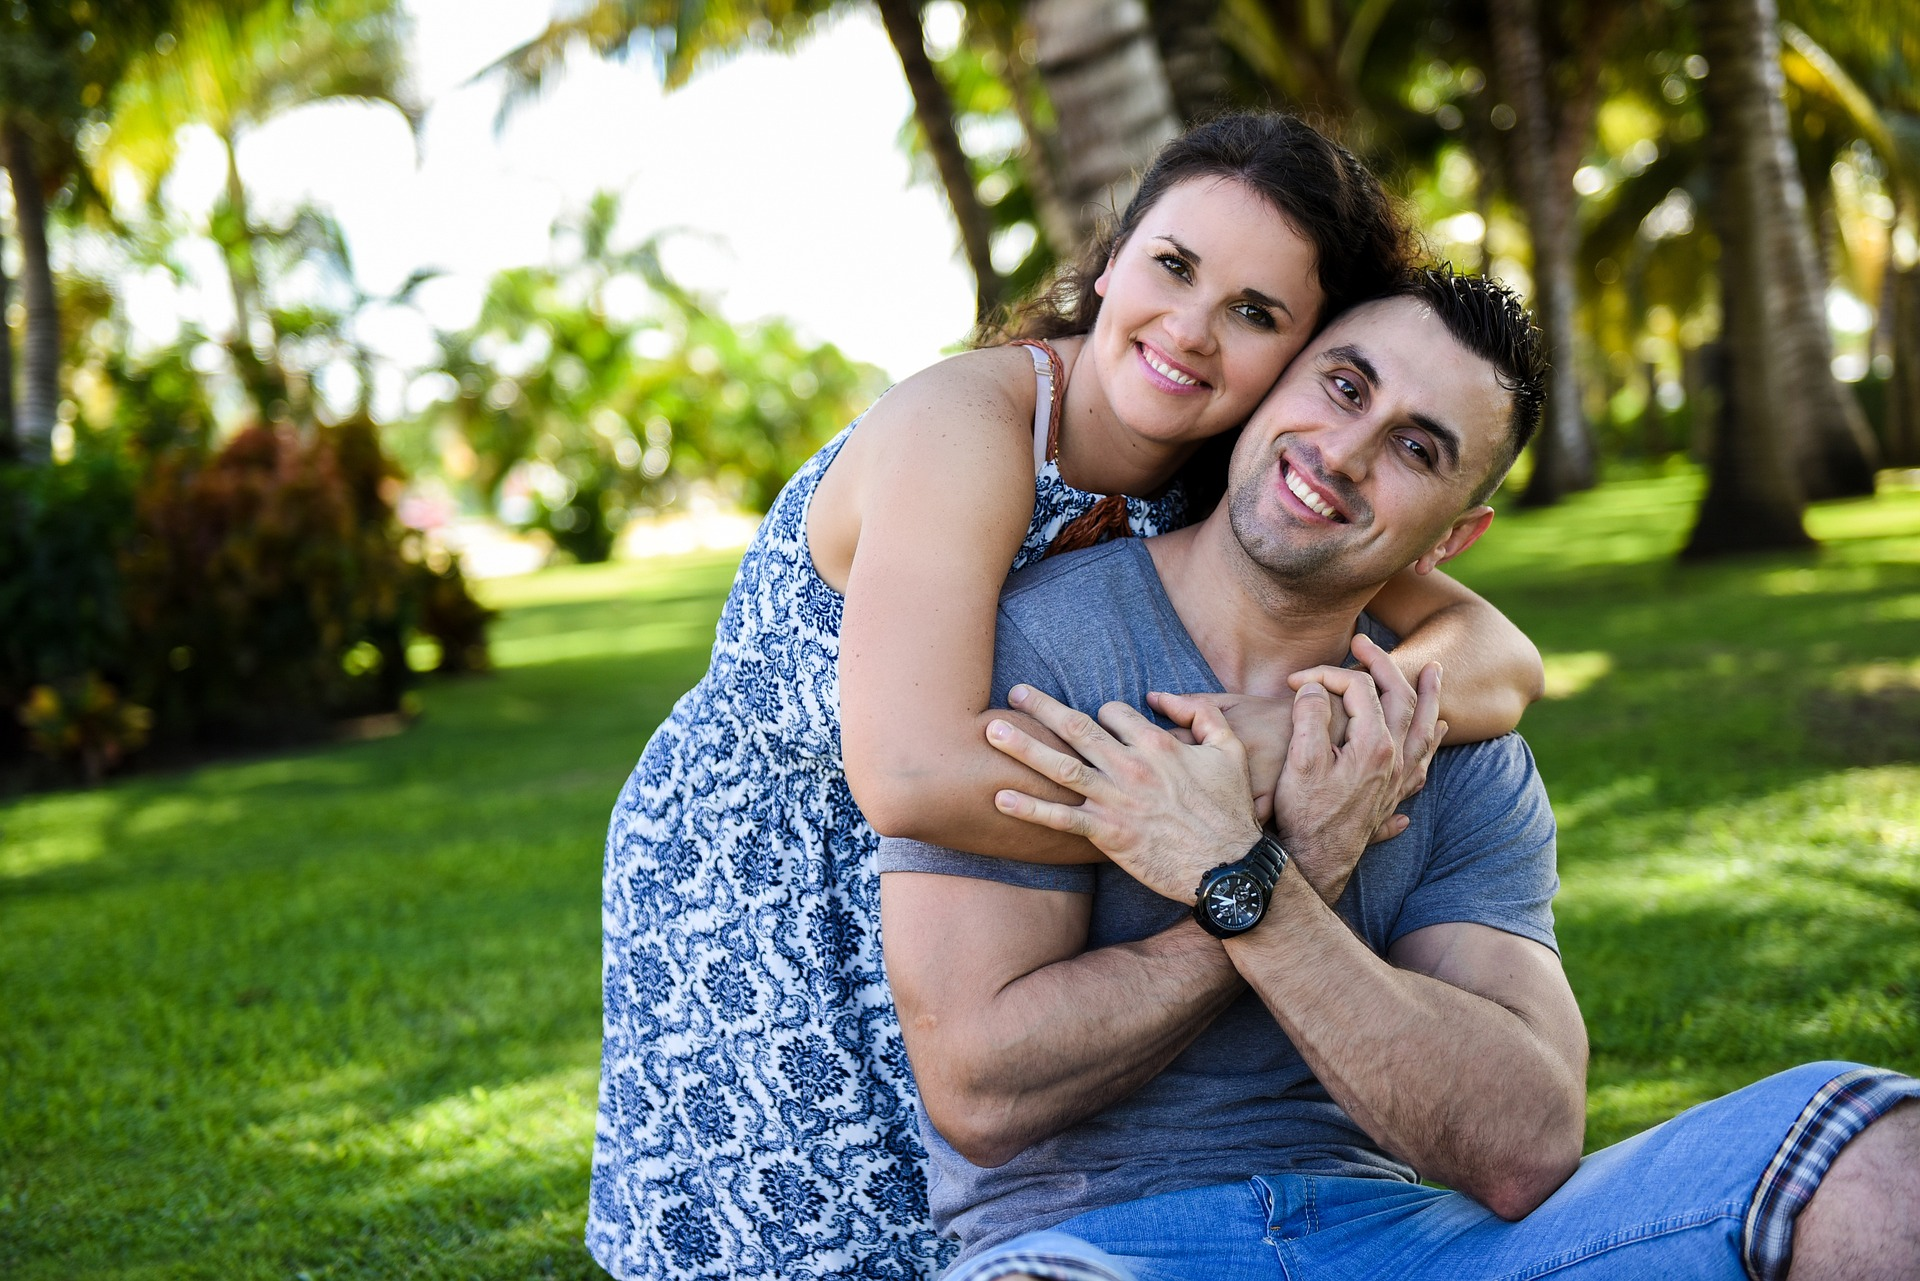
x: 1464, y: 533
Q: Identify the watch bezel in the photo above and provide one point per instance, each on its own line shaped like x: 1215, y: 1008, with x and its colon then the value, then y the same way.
x: 1261, y: 865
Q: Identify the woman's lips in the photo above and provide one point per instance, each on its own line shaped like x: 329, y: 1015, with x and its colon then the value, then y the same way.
x: 1167, y: 374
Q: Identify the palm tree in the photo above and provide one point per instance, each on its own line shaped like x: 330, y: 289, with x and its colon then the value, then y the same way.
x: 1553, y: 101
x: 1102, y: 69
x: 682, y: 31
x: 1753, y: 500
x: 40, y: 363
x: 1894, y: 136
x: 232, y: 69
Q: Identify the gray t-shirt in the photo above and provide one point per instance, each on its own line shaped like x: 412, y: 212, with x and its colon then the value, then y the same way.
x: 1096, y: 626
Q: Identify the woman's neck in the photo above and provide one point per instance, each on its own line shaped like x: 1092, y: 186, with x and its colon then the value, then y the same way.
x: 1097, y: 452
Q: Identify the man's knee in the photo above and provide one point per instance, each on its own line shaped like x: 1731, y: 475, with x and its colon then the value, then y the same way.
x: 1864, y: 1220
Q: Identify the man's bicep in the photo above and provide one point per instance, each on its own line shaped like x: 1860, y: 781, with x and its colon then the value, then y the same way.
x: 1515, y: 973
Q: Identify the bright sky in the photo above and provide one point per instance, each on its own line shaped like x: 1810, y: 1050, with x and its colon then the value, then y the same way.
x: 788, y: 165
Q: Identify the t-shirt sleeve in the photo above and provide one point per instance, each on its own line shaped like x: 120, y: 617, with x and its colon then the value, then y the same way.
x: 897, y: 854
x: 1492, y: 848
x: 1016, y: 660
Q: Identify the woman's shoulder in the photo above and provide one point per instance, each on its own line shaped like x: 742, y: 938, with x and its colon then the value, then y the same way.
x: 997, y: 382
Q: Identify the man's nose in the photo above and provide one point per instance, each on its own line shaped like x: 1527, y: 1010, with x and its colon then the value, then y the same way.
x: 1346, y: 449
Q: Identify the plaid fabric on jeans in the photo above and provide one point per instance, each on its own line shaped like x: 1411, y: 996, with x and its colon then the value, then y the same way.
x: 1844, y: 1106
x: 1037, y: 1260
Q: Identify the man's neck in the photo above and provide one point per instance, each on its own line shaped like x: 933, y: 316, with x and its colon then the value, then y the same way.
x: 1252, y: 631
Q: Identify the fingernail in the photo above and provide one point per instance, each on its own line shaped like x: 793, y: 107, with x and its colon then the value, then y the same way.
x: 1018, y: 694
x: 1004, y: 800
x: 999, y: 729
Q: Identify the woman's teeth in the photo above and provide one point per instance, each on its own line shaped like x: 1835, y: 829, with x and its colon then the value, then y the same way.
x: 1168, y: 371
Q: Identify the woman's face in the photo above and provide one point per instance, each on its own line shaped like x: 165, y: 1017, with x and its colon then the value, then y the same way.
x: 1203, y: 306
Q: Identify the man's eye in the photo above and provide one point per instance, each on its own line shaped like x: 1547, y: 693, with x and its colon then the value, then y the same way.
x: 1419, y: 451
x: 1346, y: 387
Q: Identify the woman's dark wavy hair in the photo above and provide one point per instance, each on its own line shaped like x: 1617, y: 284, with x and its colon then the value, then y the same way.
x: 1361, y: 242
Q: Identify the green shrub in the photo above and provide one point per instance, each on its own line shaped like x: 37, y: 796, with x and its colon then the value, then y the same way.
x: 249, y: 595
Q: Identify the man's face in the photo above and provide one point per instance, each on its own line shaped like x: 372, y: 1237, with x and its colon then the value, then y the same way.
x: 1364, y: 457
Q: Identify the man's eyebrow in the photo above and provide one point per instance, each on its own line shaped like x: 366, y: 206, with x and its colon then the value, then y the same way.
x: 1251, y: 295
x: 1446, y: 437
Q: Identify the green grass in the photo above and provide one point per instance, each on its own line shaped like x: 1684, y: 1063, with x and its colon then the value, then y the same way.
x: 335, y: 1014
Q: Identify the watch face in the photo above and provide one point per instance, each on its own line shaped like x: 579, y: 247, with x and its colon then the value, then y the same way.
x: 1236, y: 901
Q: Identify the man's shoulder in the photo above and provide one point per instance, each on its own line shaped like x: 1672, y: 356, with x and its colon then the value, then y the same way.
x: 1063, y: 583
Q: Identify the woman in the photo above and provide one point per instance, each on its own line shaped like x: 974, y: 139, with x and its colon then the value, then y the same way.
x: 755, y: 1104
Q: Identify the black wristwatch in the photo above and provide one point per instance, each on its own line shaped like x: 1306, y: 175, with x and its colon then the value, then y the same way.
x: 1233, y: 897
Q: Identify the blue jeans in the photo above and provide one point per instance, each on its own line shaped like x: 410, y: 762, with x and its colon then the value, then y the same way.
x: 1673, y: 1202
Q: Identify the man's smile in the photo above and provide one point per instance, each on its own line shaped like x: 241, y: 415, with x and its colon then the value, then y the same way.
x: 1310, y: 496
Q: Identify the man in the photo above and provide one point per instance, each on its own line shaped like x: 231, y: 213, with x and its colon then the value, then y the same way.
x: 1221, y: 1058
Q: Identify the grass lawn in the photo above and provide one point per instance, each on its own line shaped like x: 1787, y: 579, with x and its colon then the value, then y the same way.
x: 335, y: 1014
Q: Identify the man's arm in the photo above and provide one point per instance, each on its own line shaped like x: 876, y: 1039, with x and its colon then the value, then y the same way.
x: 1014, y: 1031
x: 1470, y: 1062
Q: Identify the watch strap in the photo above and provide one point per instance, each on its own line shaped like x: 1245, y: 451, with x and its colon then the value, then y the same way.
x: 1267, y: 859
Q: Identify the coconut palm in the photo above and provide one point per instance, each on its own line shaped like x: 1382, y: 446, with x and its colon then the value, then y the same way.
x: 231, y: 69
x: 1754, y: 499
x: 58, y: 67
x: 683, y: 32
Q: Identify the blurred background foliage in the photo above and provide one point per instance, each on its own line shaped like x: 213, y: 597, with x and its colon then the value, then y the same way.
x: 1714, y: 206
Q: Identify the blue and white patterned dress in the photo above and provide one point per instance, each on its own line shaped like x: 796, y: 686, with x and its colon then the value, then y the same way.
x: 756, y: 1108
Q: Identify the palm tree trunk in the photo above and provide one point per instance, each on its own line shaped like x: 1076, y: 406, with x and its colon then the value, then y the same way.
x: 1110, y: 95
x: 1040, y: 158
x: 40, y: 367
x: 1903, y: 392
x: 1563, y: 456
x: 265, y: 381
x: 1753, y: 499
x: 6, y: 359
x: 933, y: 110
x: 1190, y: 51
x: 1835, y: 454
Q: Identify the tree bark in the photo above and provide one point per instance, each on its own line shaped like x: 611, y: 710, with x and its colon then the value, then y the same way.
x: 1190, y: 52
x: 933, y: 111
x: 1903, y: 390
x: 1753, y: 500
x: 1835, y: 452
x: 1102, y: 70
x: 6, y: 358
x: 1543, y: 143
x: 1040, y: 158
x: 40, y: 365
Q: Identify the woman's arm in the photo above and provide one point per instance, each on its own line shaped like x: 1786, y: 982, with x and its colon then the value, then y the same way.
x: 917, y: 522
x: 1492, y: 670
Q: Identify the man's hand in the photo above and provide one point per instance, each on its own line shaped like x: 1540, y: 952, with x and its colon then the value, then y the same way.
x: 1332, y: 798
x: 1164, y: 811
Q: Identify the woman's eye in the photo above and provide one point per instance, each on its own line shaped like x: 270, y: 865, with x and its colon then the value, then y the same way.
x: 1175, y: 264
x: 1257, y: 316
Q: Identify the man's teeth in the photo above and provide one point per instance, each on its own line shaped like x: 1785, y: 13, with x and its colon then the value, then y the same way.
x: 1168, y: 371
x: 1306, y: 495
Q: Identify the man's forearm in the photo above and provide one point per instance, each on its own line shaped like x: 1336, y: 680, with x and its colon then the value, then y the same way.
x: 1459, y: 1087
x: 1067, y: 1040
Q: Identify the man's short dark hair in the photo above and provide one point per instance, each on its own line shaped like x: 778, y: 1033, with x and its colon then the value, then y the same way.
x: 1488, y: 319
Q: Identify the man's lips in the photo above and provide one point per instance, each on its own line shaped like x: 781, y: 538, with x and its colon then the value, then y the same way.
x: 1309, y: 495
x: 1166, y: 373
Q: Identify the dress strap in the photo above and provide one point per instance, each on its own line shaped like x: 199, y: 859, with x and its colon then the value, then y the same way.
x: 1050, y: 396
